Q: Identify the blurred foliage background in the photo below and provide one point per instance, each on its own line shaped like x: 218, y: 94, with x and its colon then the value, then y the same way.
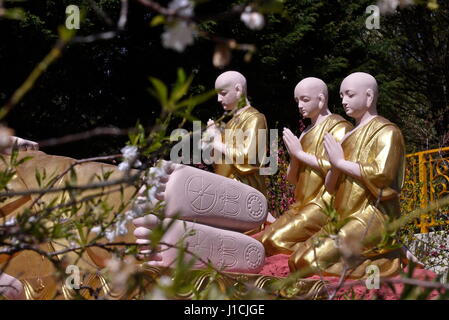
x: 105, y: 82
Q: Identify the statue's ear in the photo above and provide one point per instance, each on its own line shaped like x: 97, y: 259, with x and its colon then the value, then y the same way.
x: 322, y: 101
x: 369, y: 97
x: 239, y: 89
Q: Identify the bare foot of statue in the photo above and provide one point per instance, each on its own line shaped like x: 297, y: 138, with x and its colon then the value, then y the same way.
x: 11, y: 288
x: 207, y: 198
x: 213, y: 210
x: 226, y: 250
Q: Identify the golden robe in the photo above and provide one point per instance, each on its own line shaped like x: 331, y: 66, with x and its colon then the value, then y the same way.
x: 37, y: 273
x: 378, y: 147
x: 249, y: 121
x: 306, y: 216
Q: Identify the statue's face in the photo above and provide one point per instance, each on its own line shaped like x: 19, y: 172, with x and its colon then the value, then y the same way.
x: 229, y: 93
x: 354, y: 97
x: 308, y: 100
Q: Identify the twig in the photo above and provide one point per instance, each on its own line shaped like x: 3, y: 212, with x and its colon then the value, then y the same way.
x: 123, y: 15
x: 77, y: 162
x: 50, y: 58
x: 340, y: 282
x: 95, y: 37
x: 101, y: 131
x: 101, y: 13
x: 128, y: 179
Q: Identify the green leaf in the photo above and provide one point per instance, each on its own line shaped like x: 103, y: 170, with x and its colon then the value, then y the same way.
x: 65, y: 34
x: 160, y: 91
x: 23, y: 160
x: 181, y: 75
x: 196, y: 100
x: 37, y: 175
x: 14, y: 14
x: 180, y: 89
x: 157, y: 20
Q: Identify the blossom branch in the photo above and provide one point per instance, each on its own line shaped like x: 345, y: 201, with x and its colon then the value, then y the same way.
x: 101, y: 131
x: 128, y: 179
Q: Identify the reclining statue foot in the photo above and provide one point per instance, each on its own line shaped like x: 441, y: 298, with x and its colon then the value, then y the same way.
x: 207, y: 198
x: 225, y: 250
x: 11, y: 288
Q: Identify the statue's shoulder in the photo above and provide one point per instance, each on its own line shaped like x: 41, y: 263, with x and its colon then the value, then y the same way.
x: 336, y: 120
x: 381, y: 122
x: 381, y: 125
x: 252, y: 112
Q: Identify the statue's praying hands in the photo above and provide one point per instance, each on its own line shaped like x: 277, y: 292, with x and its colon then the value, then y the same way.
x: 292, y: 143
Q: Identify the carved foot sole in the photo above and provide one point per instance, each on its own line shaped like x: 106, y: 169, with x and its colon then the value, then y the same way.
x: 226, y: 250
x: 211, y: 199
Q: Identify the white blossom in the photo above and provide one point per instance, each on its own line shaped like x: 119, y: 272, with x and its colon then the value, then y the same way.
x: 122, y: 230
x: 146, y: 199
x: 157, y: 172
x: 178, y: 36
x: 252, y: 19
x: 158, y: 294
x: 113, y: 264
x: 151, y: 194
x: 133, y: 214
x: 168, y: 166
x: 73, y: 245
x: 165, y: 281
x: 129, y: 152
x: 119, y: 228
x: 110, y: 234
x: 183, y: 8
x: 207, y: 140
x: 96, y: 229
x: 124, y: 166
x: 5, y: 137
x: 32, y: 219
x: 10, y: 222
x: 389, y: 6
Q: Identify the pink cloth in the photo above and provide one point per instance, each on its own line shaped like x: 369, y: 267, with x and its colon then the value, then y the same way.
x: 277, y: 266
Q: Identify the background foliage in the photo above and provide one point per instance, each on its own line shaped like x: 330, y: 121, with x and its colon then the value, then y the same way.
x: 104, y: 83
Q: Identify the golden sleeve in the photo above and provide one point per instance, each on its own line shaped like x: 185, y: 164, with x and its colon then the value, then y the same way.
x: 338, y: 132
x: 244, y: 145
x: 383, y: 165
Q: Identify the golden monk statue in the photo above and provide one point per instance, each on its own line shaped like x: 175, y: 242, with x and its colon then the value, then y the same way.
x: 245, y: 124
x: 307, y: 170
x: 366, y: 177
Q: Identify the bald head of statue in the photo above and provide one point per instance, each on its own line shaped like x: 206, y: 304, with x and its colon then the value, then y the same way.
x: 359, y: 93
x: 311, y: 95
x: 231, y: 88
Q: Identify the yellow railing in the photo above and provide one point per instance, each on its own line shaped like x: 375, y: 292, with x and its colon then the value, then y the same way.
x: 427, y: 179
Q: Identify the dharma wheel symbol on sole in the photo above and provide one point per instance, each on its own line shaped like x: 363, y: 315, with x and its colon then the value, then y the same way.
x: 200, y: 193
x: 255, y: 206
